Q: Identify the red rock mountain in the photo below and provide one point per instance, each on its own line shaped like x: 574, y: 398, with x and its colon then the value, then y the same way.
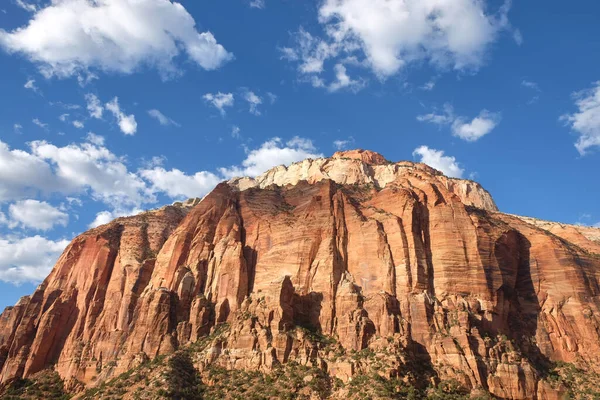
x: 375, y: 254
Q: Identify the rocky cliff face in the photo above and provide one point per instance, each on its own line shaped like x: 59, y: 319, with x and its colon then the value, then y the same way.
x: 393, y: 258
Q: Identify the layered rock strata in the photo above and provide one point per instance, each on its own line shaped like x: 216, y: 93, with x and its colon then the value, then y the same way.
x: 392, y: 257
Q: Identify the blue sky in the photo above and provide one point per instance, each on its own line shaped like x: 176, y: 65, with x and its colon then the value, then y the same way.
x: 111, y: 107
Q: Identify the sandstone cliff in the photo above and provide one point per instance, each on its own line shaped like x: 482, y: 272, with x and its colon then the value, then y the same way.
x: 393, y: 258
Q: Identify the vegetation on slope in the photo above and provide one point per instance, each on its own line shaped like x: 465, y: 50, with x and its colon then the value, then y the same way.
x: 176, y: 377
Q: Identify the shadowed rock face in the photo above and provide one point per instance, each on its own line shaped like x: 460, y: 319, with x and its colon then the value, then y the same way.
x: 352, y: 247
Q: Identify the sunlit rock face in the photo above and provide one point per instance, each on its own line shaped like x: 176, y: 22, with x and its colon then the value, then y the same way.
x: 375, y: 254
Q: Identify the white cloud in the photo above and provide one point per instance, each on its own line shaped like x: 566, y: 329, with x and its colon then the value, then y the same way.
x: 66, y: 106
x: 253, y: 101
x: 70, y: 37
x: 471, y: 131
x: 23, y: 174
x: 74, y: 201
x: 311, y: 52
x: 235, y: 132
x: 88, y: 166
x: 586, y: 121
x: 343, y: 144
x: 90, y: 169
x: 535, y: 87
x: 95, y: 139
x: 78, y: 124
x: 428, y: 86
x: 35, y: 214
x: 18, y: 128
x: 342, y: 80
x: 518, y: 37
x: 388, y: 35
x: 30, y: 85
x: 219, y: 100
x: 273, y: 153
x: 76, y: 168
x: 177, y: 184
x: 104, y: 217
x: 26, y: 6
x: 446, y: 117
x: 94, y: 106
x: 162, y: 118
x: 28, y: 259
x: 479, y: 126
x: 272, y: 97
x: 39, y: 123
x: 127, y: 123
x: 257, y: 4
x: 63, y: 117
x: 530, y: 85
x: 436, y: 159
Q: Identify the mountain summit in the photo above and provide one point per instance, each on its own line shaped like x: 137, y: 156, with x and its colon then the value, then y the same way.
x: 352, y: 266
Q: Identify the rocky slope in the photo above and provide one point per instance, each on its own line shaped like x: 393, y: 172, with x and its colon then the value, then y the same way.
x: 352, y: 265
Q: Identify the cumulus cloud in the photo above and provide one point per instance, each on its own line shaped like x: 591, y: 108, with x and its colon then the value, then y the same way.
x: 35, y: 214
x: 24, y: 174
x: 468, y: 130
x: 18, y: 128
x: 95, y: 139
x: 478, y: 127
x: 94, y: 106
x: 162, y: 118
x: 90, y: 168
x: 436, y: 159
x: 253, y: 101
x: 586, y: 121
x: 78, y: 124
x: 272, y: 153
x: 388, y: 35
x: 219, y: 100
x: 75, y: 168
x: 176, y: 184
x: 127, y: 123
x: 28, y: 259
x: 235, y: 132
x: 72, y: 37
x: 104, y: 217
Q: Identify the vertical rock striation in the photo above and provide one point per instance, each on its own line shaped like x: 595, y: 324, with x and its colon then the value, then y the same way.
x: 352, y: 247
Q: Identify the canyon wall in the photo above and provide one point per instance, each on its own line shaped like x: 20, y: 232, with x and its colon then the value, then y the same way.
x: 393, y: 257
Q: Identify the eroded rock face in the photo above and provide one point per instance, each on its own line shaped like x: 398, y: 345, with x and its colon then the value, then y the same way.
x: 360, y: 167
x: 392, y: 257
